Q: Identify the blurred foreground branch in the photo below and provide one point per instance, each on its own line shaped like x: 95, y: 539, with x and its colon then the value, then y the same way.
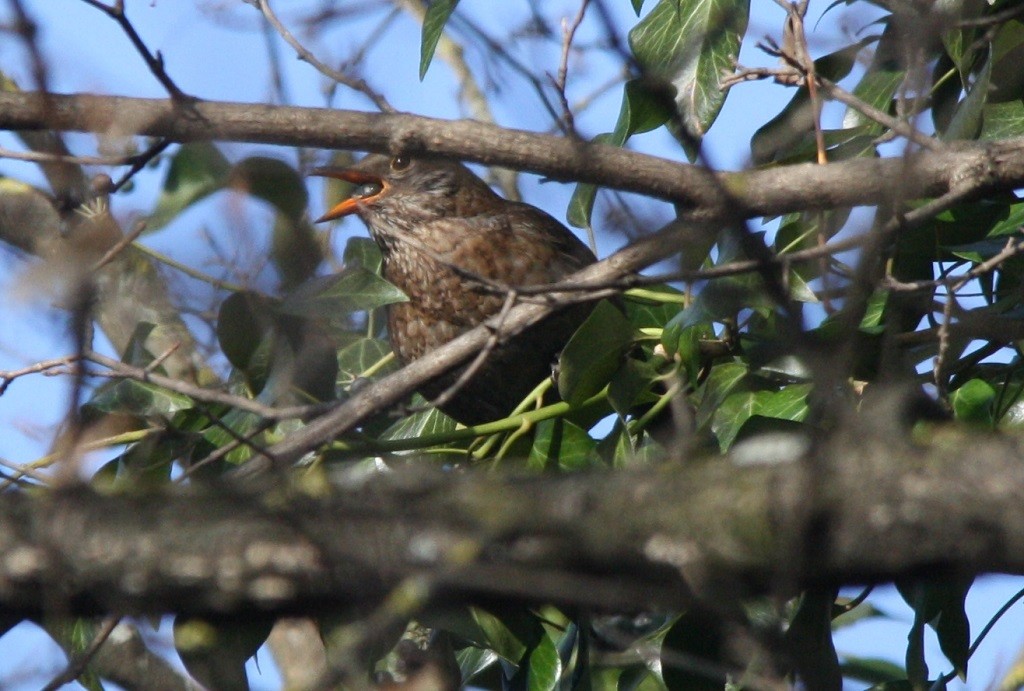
x: 623, y: 541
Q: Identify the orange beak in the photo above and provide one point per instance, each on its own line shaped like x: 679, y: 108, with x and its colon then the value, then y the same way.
x: 351, y: 204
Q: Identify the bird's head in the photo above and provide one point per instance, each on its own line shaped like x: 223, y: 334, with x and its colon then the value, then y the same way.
x: 402, y: 190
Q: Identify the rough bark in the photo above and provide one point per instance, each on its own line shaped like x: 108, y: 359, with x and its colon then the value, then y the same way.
x: 861, y: 508
x: 765, y: 192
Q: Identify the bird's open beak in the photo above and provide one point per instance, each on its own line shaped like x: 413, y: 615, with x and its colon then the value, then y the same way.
x: 357, y: 177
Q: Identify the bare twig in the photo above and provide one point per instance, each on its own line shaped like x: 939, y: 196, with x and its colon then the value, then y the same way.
x: 568, y: 33
x: 27, y: 28
x: 354, y: 83
x: 481, y: 358
x: 139, y: 161
x: 155, y: 61
x: 120, y: 246
x: 7, y: 377
x: 121, y: 370
x: 77, y: 666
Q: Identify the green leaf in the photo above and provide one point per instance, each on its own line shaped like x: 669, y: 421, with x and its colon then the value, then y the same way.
x: 273, y: 181
x: 793, y: 128
x: 75, y: 636
x: 434, y: 20
x: 542, y: 666
x: 511, y: 635
x: 559, y: 443
x: 139, y: 398
x: 422, y: 423
x: 295, y: 250
x: 973, y: 402
x: 879, y: 84
x: 632, y: 384
x: 235, y: 425
x: 643, y: 313
x: 1002, y: 120
x: 581, y: 204
x: 1007, y: 53
x: 245, y: 323
x: 197, y: 170
x: 690, y: 44
x: 723, y: 380
x: 871, y: 670
x: 594, y: 353
x: 967, y: 119
x: 363, y: 252
x: 789, y: 403
x: 810, y: 640
x: 646, y: 105
x: 637, y: 6
x: 357, y: 356
x: 473, y: 660
x: 940, y: 604
x: 353, y: 289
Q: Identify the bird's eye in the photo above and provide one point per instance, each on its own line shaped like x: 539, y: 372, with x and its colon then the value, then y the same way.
x: 369, y: 189
x: 400, y: 163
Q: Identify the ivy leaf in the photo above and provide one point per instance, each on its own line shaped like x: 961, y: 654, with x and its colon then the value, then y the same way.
x: 646, y: 105
x: 351, y: 290
x: 593, y: 354
x: 560, y: 443
x: 690, y: 44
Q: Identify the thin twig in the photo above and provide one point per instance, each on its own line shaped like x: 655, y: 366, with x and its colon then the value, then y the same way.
x: 138, y: 162
x: 354, y: 83
x: 122, y: 370
x: 120, y: 246
x: 27, y: 28
x: 7, y: 377
x: 155, y: 61
x: 568, y: 33
x: 76, y: 667
x: 481, y: 358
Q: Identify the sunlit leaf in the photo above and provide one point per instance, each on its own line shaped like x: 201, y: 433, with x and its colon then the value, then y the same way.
x: 690, y: 44
x: 353, y: 289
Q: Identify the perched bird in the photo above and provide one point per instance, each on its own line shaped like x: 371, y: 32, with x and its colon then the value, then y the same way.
x: 446, y: 236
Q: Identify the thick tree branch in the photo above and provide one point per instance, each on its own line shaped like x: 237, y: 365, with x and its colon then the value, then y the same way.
x: 615, y: 541
x: 997, y: 165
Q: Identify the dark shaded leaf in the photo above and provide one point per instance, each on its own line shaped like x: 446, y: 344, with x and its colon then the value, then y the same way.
x: 558, y: 443
x: 197, y: 170
x: 594, y: 353
x: 809, y: 640
x: 215, y: 652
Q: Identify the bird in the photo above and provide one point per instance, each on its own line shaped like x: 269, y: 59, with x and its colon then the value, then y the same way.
x: 448, y: 242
